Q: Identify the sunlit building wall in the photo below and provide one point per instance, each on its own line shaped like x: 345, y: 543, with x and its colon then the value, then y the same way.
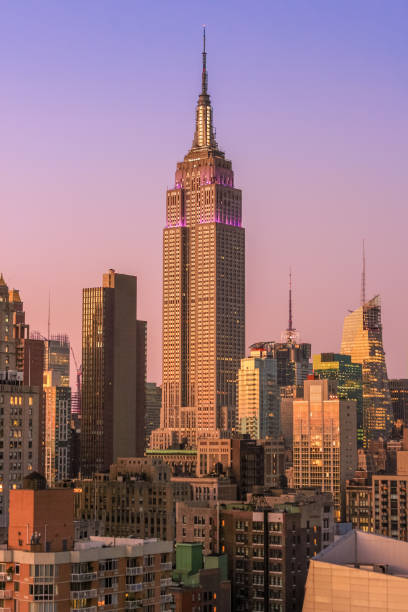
x: 324, y: 441
x: 349, y: 380
x: 57, y: 428
x: 258, y: 396
x: 362, y: 340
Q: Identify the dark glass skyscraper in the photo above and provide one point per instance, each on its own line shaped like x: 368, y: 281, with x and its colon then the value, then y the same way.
x: 112, y: 420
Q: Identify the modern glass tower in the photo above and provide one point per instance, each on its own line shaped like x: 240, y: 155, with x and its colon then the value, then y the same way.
x: 362, y: 340
x: 203, y: 289
x: 349, y: 379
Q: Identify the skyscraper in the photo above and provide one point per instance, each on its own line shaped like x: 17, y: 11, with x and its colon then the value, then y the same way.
x: 57, y: 356
x: 57, y: 427
x: 324, y: 441
x: 258, y: 396
x: 362, y: 340
x: 110, y: 413
x: 21, y: 402
x: 349, y: 380
x: 203, y: 289
x: 399, y: 399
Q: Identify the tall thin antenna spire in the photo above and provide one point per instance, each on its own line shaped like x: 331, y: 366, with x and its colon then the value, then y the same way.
x: 49, y: 315
x: 290, y: 326
x: 204, y: 77
x: 363, y: 278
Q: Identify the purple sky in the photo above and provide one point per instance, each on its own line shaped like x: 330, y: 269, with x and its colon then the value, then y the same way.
x: 310, y: 99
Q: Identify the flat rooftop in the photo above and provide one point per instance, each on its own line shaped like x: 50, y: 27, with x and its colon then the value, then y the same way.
x: 368, y: 552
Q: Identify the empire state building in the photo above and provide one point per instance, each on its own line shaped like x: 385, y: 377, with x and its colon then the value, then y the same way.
x: 203, y: 290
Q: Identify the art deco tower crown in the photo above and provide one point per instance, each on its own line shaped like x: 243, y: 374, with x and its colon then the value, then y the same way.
x: 203, y: 289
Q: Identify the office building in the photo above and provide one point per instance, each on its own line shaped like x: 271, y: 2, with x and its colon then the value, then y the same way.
x: 200, y: 581
x: 349, y: 379
x: 141, y: 372
x: 390, y: 502
x: 57, y: 357
x: 258, y: 396
x: 203, y: 290
x: 359, y: 501
x: 46, y: 568
x: 137, y: 498
x: 112, y: 422
x: 269, y: 542
x: 324, y: 440
x: 57, y: 427
x: 153, y: 395
x: 293, y: 364
x: 360, y: 571
x: 362, y: 340
x: 399, y: 400
x: 21, y: 397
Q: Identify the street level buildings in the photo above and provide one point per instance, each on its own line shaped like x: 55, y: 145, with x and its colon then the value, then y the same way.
x: 203, y: 290
x: 112, y: 422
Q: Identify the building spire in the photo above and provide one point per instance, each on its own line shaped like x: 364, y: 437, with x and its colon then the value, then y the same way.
x: 363, y: 278
x: 290, y: 325
x: 204, y: 76
x: 204, y: 137
x: 290, y: 335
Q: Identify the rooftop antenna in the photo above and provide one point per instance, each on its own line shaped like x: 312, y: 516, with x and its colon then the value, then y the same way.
x: 204, y: 77
x: 290, y: 335
x: 49, y: 314
x: 290, y: 326
x: 363, y: 278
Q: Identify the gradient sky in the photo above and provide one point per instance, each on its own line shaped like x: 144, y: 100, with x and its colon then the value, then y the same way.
x: 97, y: 105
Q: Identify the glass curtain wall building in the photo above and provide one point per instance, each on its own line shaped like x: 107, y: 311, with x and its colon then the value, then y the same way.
x: 349, y: 379
x: 362, y: 340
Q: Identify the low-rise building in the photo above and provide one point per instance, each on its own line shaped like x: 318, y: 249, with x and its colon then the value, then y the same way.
x: 200, y: 581
x: 45, y: 569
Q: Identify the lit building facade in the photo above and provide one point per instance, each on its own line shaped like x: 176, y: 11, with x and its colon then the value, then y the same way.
x: 57, y: 428
x: 57, y: 357
x: 349, y: 379
x: 362, y: 340
x: 112, y: 422
x: 45, y: 569
x: 258, y: 397
x: 203, y: 290
x: 324, y: 441
x: 399, y: 400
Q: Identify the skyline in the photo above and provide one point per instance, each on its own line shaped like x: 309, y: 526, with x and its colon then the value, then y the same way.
x: 129, y: 165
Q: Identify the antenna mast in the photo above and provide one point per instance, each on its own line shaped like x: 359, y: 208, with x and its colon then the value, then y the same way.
x: 363, y: 278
